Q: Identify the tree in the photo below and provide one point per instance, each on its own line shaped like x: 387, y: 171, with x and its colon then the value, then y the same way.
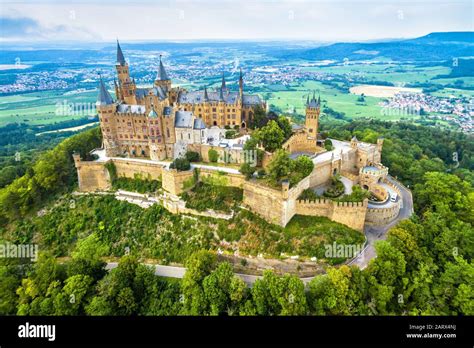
x: 279, y: 167
x: 259, y: 118
x: 330, y: 294
x: 192, y: 156
x: 247, y: 170
x: 285, y: 126
x: 213, y: 155
x: 303, y: 165
x: 180, y: 164
x: 328, y: 145
x: 271, y: 136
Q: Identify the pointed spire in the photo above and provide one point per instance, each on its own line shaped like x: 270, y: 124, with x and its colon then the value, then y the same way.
x: 307, y: 100
x: 120, y: 57
x: 240, y: 75
x: 221, y: 95
x: 223, y: 82
x: 313, y: 103
x: 161, y: 75
x: 319, y: 99
x: 104, y: 97
x: 206, y: 96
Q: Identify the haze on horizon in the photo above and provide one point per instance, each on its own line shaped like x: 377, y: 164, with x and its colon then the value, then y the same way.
x: 147, y: 20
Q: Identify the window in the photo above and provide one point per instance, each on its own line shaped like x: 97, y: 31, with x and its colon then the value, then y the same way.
x: 213, y: 109
x: 189, y: 136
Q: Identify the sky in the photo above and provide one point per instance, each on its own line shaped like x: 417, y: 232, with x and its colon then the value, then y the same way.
x: 148, y: 20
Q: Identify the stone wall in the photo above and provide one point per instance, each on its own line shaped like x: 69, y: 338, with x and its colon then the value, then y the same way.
x: 264, y: 201
x: 299, y: 142
x: 129, y: 168
x: 224, y: 179
x: 176, y: 182
x: 382, y: 216
x: 279, y: 206
x: 351, y: 214
x: 92, y: 176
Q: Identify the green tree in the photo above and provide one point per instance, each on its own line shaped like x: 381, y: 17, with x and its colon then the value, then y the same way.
x: 271, y: 136
x: 285, y: 126
x: 247, y: 170
x: 213, y: 155
x: 279, y: 167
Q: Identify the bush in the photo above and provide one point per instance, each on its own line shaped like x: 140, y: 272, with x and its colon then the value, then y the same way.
x: 207, y: 196
x: 328, y: 145
x: 309, y: 195
x: 230, y: 134
x: 213, y: 155
x: 192, y: 156
x: 180, y: 164
x: 335, y: 190
x: 247, y: 170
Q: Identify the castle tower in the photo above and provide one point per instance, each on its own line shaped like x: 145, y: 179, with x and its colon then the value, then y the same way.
x: 313, y: 107
x: 126, y: 85
x: 378, y: 152
x: 106, y: 108
x: 162, y: 79
x: 241, y: 86
x: 223, y: 85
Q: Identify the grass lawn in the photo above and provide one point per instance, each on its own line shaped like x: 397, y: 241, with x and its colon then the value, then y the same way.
x: 40, y: 107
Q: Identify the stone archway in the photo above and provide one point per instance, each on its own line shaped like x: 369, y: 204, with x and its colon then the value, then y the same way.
x: 243, y: 125
x: 214, y: 123
x: 365, y: 187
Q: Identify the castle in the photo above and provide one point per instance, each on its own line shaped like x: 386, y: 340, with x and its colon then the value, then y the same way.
x: 145, y: 126
x: 149, y: 122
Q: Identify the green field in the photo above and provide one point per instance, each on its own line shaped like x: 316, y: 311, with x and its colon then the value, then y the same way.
x: 331, y: 97
x: 40, y: 107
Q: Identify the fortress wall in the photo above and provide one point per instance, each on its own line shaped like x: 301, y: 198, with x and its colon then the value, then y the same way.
x: 226, y: 179
x: 128, y: 169
x: 382, y: 216
x: 92, y: 176
x: 176, y: 182
x: 299, y: 142
x: 264, y: 201
x: 349, y: 163
x: 321, y: 174
x: 351, y: 214
x: 319, y: 207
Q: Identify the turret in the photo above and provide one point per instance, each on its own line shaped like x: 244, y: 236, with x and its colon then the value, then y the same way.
x: 126, y: 86
x: 312, y: 116
x: 241, y: 85
x: 162, y: 79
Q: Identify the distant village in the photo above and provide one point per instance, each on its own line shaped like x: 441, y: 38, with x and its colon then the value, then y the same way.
x: 458, y: 112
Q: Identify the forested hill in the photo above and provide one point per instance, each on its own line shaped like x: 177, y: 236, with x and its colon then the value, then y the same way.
x: 433, y: 47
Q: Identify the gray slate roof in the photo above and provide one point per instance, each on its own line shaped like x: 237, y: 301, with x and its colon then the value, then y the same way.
x: 104, y: 97
x: 183, y: 119
x: 161, y: 74
x: 199, y: 123
x: 198, y: 97
x: 128, y: 108
x: 120, y: 57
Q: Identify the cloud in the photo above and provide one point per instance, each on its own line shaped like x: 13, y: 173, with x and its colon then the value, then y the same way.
x: 29, y: 29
